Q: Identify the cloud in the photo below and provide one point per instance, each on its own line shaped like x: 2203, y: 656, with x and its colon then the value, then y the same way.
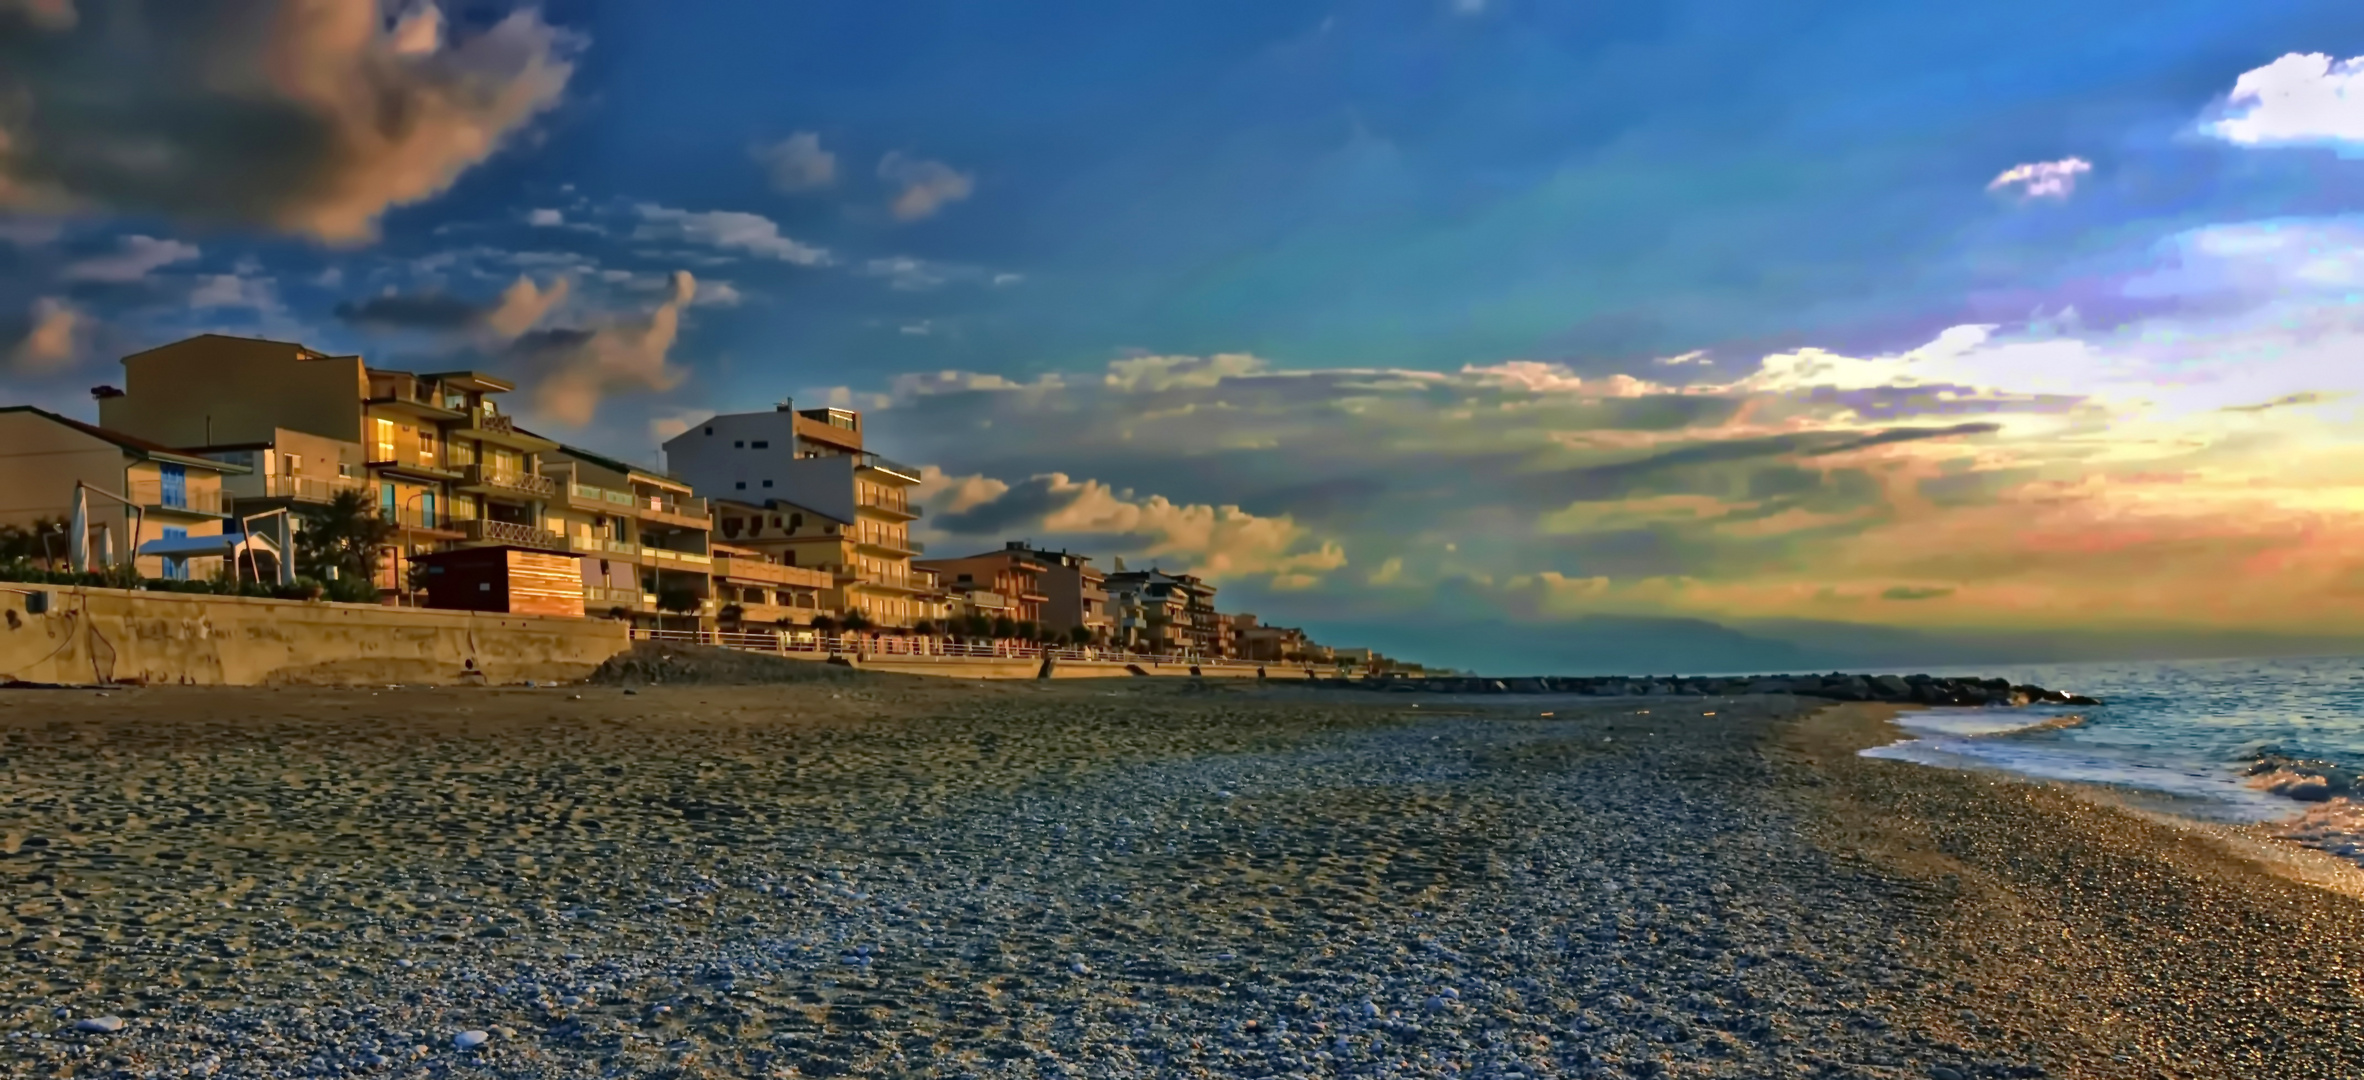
x: 311, y: 117
x: 569, y: 372
x: 1219, y: 541
x: 797, y: 163
x: 2302, y: 98
x: 718, y: 294
x: 133, y: 259
x: 42, y: 14
x: 30, y: 231
x: 730, y: 230
x: 545, y: 218
x: 234, y: 291
x: 521, y: 306
x: 925, y: 187
x: 49, y: 343
x: 1909, y: 592
x: 2043, y: 179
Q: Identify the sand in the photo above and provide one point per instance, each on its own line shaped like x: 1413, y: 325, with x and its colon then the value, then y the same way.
x: 905, y: 877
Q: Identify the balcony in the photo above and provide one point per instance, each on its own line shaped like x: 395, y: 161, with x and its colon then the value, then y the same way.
x: 414, y: 516
x: 318, y: 489
x: 410, y: 457
x: 888, y: 466
x: 485, y: 531
x: 679, y: 558
x: 765, y: 573
x: 485, y: 425
x: 889, y: 543
x: 680, y: 513
x: 176, y: 500
x: 519, y: 486
x: 885, y: 503
x: 410, y: 397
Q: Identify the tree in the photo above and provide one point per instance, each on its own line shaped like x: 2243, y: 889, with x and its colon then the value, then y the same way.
x: 40, y: 542
x: 1027, y: 631
x: 344, y: 537
x: 976, y: 625
x: 731, y: 613
x: 1080, y: 635
x: 1004, y: 627
x: 677, y: 599
x: 924, y: 628
x: 824, y: 623
x: 857, y: 620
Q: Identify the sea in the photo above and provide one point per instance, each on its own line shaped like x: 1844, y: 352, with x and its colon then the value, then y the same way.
x: 2275, y: 743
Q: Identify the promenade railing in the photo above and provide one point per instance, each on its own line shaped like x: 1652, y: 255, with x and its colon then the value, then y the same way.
x: 913, y: 647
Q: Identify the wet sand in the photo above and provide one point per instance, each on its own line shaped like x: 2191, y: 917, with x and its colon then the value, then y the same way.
x: 920, y: 878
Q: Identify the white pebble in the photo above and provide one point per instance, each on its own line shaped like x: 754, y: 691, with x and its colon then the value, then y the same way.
x: 104, y: 1025
x: 471, y: 1039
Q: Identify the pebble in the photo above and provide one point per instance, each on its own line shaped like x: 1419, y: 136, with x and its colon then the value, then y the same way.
x: 104, y: 1025
x: 471, y: 1039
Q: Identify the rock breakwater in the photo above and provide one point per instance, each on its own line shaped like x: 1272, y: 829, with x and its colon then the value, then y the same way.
x: 1837, y: 686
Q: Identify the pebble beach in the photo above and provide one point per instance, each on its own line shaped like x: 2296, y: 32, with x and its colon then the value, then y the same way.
x: 859, y: 875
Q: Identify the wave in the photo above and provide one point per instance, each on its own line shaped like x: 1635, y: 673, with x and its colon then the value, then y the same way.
x: 2300, y: 779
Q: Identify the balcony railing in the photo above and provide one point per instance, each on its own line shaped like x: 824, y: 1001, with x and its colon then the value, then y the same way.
x: 160, y: 497
x: 309, y: 488
x: 893, y: 504
x: 869, y: 460
x: 523, y: 485
x: 486, y: 531
x: 415, y: 516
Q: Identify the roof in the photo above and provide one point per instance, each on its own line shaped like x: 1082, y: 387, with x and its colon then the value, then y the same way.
x: 472, y: 380
x: 136, y: 446
x: 309, y: 352
x: 196, y: 547
x: 606, y: 462
x: 775, y: 504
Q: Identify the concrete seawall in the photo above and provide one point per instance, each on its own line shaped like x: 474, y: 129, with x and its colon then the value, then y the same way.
x: 89, y: 636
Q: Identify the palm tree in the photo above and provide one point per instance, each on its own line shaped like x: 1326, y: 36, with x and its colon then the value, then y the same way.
x: 344, y: 536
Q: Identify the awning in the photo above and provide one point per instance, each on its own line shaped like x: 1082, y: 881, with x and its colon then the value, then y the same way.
x: 199, y: 547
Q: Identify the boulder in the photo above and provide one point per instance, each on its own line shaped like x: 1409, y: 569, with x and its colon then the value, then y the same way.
x: 1890, y: 687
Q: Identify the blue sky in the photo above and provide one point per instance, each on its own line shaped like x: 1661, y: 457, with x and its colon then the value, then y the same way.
x: 1308, y: 245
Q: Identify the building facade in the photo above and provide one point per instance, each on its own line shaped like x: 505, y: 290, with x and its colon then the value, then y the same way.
x: 643, y: 538
x: 179, y: 495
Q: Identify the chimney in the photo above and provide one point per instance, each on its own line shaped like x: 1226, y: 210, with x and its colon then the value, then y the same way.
x: 102, y: 393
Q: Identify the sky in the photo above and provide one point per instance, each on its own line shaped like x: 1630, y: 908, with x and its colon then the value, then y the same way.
x: 1530, y: 334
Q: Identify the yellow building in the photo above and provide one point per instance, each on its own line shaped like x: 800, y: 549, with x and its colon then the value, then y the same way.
x: 439, y: 457
x: 863, y: 543
x: 641, y: 534
x: 179, y: 495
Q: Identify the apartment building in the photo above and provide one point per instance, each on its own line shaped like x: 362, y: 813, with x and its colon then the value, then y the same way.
x: 1185, y: 601
x: 442, y: 460
x: 1075, y: 592
x: 1012, y: 575
x: 798, y: 487
x: 643, y: 537
x: 1147, y: 612
x: 181, y: 509
x: 757, y: 591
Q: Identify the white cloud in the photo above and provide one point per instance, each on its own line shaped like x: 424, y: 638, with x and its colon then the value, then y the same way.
x: 1468, y: 7
x: 234, y: 290
x: 925, y: 186
x: 1008, y: 279
x: 1169, y: 372
x: 730, y: 230
x: 51, y: 336
x: 718, y: 294
x: 797, y: 163
x: 2043, y: 179
x: 523, y: 304
x: 545, y: 218
x: 307, y: 116
x: 570, y: 371
x: 2298, y: 99
x: 134, y: 257
x: 922, y: 328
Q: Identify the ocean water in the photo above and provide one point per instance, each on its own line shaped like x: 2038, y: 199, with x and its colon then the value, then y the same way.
x: 2276, y: 741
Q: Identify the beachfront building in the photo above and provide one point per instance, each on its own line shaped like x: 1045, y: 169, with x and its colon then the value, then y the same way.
x: 800, y: 488
x: 434, y: 450
x: 756, y: 591
x: 179, y: 494
x: 642, y: 537
x: 1177, y: 610
x: 1075, y: 593
x: 1011, y: 574
x: 1147, y: 613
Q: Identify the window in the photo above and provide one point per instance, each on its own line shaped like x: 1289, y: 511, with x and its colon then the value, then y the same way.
x: 787, y: 558
x: 730, y: 527
x: 795, y: 521
x: 709, y: 431
x: 742, y: 486
x: 761, y: 444
x: 767, y: 483
x: 176, y: 569
x: 173, y: 485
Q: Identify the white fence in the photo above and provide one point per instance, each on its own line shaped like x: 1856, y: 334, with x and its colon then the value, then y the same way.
x: 917, y: 648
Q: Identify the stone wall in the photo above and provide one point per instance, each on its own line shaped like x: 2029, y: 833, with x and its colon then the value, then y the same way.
x: 89, y: 636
